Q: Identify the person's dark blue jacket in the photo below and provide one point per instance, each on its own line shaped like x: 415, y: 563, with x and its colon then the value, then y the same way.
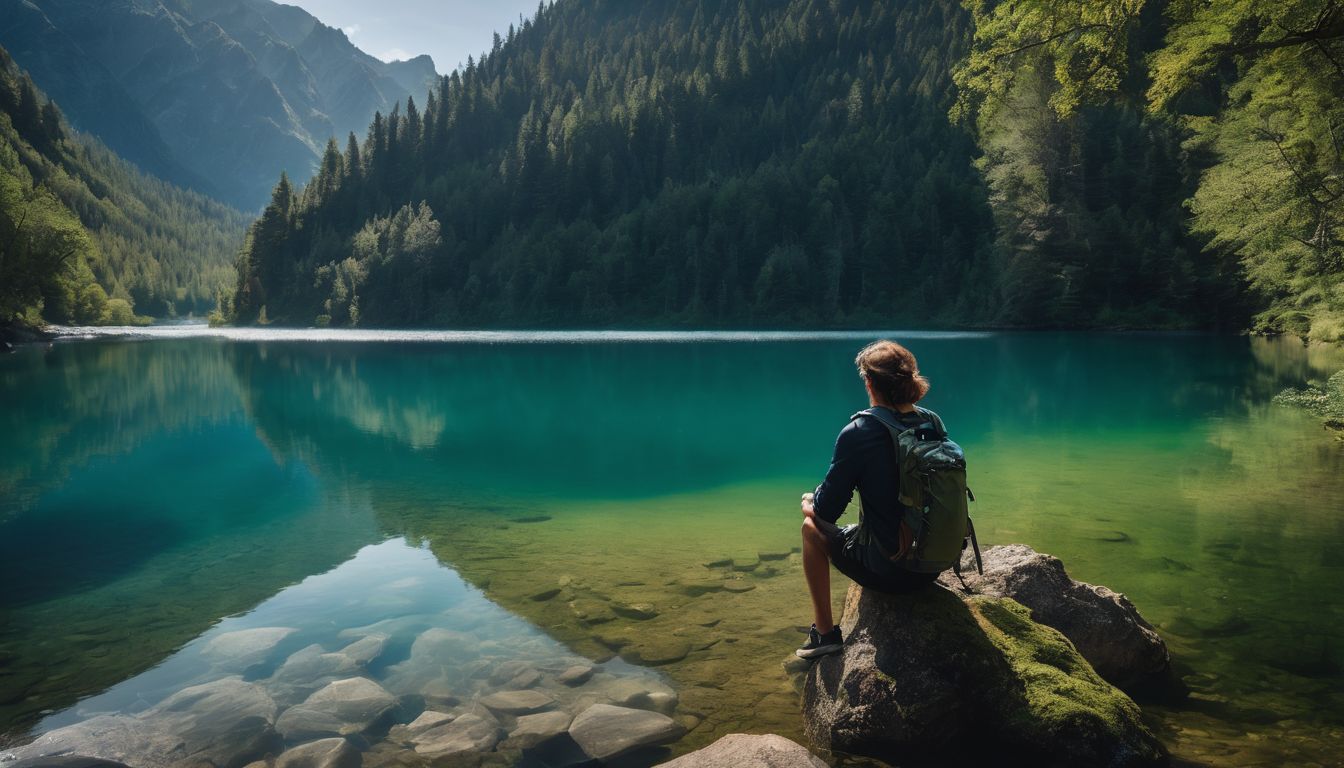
x: 865, y: 460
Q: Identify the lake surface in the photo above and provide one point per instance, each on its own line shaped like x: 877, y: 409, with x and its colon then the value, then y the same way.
x: 630, y: 501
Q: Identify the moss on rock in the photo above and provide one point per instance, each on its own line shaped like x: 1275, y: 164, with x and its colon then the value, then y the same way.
x: 1062, y: 697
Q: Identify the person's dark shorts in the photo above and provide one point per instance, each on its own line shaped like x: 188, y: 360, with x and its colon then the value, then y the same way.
x: 864, y: 565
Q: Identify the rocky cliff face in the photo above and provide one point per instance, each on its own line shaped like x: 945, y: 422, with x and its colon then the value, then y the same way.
x: 217, y: 96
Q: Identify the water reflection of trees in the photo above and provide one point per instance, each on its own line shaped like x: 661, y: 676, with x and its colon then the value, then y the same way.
x: 417, y: 438
x: 100, y: 585
x: 73, y: 402
x: 607, y: 419
x: 1056, y: 382
x: 436, y: 436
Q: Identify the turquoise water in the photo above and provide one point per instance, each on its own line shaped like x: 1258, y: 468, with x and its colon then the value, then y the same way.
x: 156, y: 493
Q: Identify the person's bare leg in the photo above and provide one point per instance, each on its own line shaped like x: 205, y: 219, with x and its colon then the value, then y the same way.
x: 817, y: 570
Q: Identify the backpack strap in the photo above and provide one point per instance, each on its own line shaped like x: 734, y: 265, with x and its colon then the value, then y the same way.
x: 975, y: 547
x: 932, y: 421
x: 935, y: 420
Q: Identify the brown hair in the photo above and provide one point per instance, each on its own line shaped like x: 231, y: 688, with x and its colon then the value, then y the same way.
x: 893, y: 372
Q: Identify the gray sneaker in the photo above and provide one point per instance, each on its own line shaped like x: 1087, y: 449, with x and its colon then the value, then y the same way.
x: 819, y: 645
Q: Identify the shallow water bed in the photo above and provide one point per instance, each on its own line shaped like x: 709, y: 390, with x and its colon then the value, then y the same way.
x: 390, y: 650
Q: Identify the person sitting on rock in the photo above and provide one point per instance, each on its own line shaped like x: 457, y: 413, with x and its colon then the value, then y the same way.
x: 864, y: 459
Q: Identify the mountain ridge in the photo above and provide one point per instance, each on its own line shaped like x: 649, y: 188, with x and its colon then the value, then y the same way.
x: 213, y: 96
x: 86, y: 236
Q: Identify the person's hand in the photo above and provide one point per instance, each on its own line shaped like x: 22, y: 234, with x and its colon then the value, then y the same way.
x: 808, y: 510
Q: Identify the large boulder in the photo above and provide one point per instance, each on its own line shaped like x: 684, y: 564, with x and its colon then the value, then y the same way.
x: 739, y: 750
x: 342, y: 708
x: 937, y: 677
x: 225, y: 723
x: 242, y: 649
x: 323, y: 753
x: 307, y: 670
x: 604, y: 731
x: 518, y: 702
x: 531, y: 730
x: 1103, y: 625
x: 465, y: 735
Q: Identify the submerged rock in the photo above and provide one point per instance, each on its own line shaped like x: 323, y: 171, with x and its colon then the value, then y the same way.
x: 66, y: 761
x: 746, y: 561
x: 425, y: 721
x: 225, y: 699
x: 299, y: 723
x: 366, y: 649
x: 636, y: 611
x: 531, y: 730
x: 591, y: 611
x: 543, y: 595
x: 518, y: 702
x: 740, y: 750
x: 1103, y: 625
x: 656, y: 650
x: 641, y: 694
x: 324, y: 753
x: 225, y: 723
x: 577, y: 674
x: 509, y: 673
x: 313, y: 667
x: 429, y: 719
x: 244, y: 648
x: 341, y: 708
x: 441, y: 645
x: 114, y: 738
x: 439, y: 692
x: 934, y: 676
x: 701, y: 581
x: 467, y: 734
x: 604, y: 731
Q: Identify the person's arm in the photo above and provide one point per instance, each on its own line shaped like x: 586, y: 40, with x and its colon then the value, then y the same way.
x: 833, y: 495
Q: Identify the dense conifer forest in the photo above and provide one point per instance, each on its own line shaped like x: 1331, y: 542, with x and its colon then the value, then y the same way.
x: 738, y: 162
x: 87, y: 238
x: 818, y: 163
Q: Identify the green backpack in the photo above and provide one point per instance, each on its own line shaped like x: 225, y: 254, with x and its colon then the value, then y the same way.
x: 932, y: 472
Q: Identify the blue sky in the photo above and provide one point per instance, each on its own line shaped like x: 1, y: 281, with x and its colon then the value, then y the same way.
x: 448, y: 30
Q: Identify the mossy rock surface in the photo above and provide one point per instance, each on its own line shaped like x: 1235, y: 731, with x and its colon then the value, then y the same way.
x: 931, y: 677
x: 1058, y: 699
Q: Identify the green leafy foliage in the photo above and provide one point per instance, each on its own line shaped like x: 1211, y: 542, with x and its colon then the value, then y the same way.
x: 86, y: 237
x: 1082, y: 44
x: 43, y: 252
x: 1276, y: 196
x: 1255, y: 88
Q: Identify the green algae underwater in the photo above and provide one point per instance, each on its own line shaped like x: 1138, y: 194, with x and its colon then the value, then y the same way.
x: 635, y: 499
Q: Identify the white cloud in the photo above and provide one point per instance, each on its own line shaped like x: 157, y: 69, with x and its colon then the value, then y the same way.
x: 395, y: 54
x: 351, y: 30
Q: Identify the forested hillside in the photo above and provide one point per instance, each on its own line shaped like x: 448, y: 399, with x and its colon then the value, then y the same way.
x: 736, y: 162
x: 1254, y: 89
x: 215, y: 95
x: 87, y: 238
